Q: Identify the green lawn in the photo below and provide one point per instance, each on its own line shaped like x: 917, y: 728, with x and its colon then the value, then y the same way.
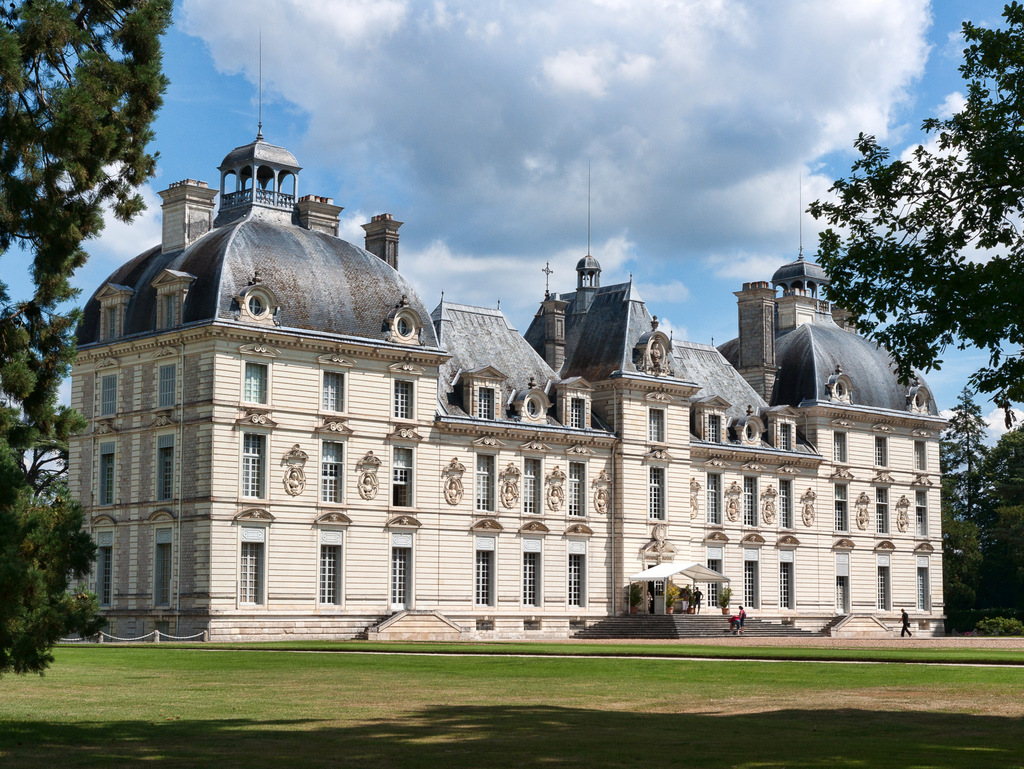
x: 108, y: 706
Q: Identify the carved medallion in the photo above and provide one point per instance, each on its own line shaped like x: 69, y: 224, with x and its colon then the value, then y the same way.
x: 602, y: 492
x: 863, y: 517
x: 294, y: 474
x: 807, y: 500
x: 768, y: 508
x: 453, y: 489
x: 368, y: 483
x: 556, y: 489
x: 903, y: 513
x: 732, y: 505
x: 695, y: 489
x: 509, y: 486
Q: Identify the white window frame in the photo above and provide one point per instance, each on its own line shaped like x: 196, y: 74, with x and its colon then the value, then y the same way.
x: 881, y: 510
x: 252, y: 565
x: 332, y: 472
x: 656, y: 425
x: 108, y: 395
x: 751, y: 579
x: 256, y: 375
x: 167, y: 385
x: 485, y: 403
x: 881, y: 451
x: 921, y: 512
x: 577, y: 412
x: 576, y: 578
x: 105, y: 567
x: 713, y: 483
x: 787, y: 581
x: 921, y: 456
x: 484, y: 572
x: 840, y: 450
x: 786, y: 503
x: 485, y: 482
x: 883, y: 586
x: 330, y: 568
x: 533, y: 485
x: 657, y: 492
x: 403, y: 475
x: 403, y: 399
x: 531, y: 581
x: 841, y: 496
x: 576, y: 503
x: 749, y: 500
x: 332, y: 397
x: 924, y: 586
x: 714, y: 428
x: 253, y: 478
x: 785, y: 436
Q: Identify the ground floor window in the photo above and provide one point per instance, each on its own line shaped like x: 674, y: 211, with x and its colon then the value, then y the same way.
x: 842, y: 595
x: 786, y: 585
x: 923, y: 592
x: 531, y: 579
x: 751, y: 586
x: 714, y: 563
x: 162, y: 568
x: 485, y: 576
x: 105, y: 568
x: 884, y: 599
x: 250, y: 573
x: 577, y: 578
x: 401, y: 558
x: 330, y: 571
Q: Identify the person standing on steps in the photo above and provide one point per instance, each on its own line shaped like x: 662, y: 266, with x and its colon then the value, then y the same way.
x: 697, y: 598
x: 905, y: 619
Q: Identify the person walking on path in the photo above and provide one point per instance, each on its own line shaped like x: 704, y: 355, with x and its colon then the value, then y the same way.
x: 905, y: 619
x: 697, y: 598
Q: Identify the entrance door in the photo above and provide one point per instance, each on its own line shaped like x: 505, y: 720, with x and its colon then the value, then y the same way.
x: 842, y: 595
x: 400, y: 585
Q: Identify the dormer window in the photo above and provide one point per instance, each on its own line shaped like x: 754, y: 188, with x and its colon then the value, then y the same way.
x: 403, y: 323
x: 786, y: 436
x: 110, y: 328
x: 574, y: 403
x: 171, y: 289
x: 257, y: 306
x: 750, y: 428
x: 839, y: 386
x: 113, y: 301
x: 918, y: 398
x: 577, y: 413
x: 531, y: 404
x: 257, y: 303
x: 708, y: 418
x: 485, y: 403
x: 714, y: 430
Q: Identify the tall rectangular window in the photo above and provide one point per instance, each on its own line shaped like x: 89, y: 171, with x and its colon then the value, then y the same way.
x: 332, y: 398
x: 111, y: 314
x: 106, y: 473
x: 400, y: 576
x: 108, y: 395
x: 711, y: 598
x: 577, y: 488
x: 485, y: 403
x: 786, y: 585
x: 923, y: 590
x: 250, y: 573
x: 532, y: 484
x: 883, y: 588
x: 531, y: 579
x: 882, y: 511
x: 255, y: 383
x: 786, y: 503
x: 714, y: 428
x: 842, y: 513
x: 169, y: 315
x: 105, y: 574
x: 577, y: 578
x: 254, y: 452
x: 484, y: 578
x: 331, y: 471
x: 162, y: 568
x: 920, y: 456
x: 485, y: 482
x: 786, y: 437
x: 839, y: 447
x: 168, y: 385
x: 921, y: 513
x: 401, y: 478
x: 714, y: 498
x: 656, y: 494
x: 656, y: 425
x: 165, y: 467
x: 577, y: 412
x: 751, y: 585
x: 330, y: 575
x: 749, y: 501
x: 881, y: 451
x: 403, y: 399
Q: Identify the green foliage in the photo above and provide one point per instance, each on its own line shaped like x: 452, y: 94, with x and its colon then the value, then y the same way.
x: 672, y: 594
x: 931, y: 252
x: 724, y: 597
x: 1000, y: 626
x: 963, y: 620
x: 635, y: 594
x: 80, y: 84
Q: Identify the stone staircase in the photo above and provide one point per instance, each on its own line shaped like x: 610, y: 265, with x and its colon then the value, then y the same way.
x: 682, y: 626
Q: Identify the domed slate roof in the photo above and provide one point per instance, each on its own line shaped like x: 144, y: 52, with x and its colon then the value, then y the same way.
x: 799, y: 270
x: 588, y: 263
x: 322, y: 283
x: 258, y: 151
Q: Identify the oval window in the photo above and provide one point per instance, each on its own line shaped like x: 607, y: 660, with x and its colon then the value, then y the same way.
x: 256, y: 306
x: 532, y: 407
x: 840, y: 390
x: 404, y: 327
x: 750, y: 433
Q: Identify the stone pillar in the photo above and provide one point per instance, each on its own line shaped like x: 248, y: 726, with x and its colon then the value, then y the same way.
x: 318, y: 214
x: 553, y: 310
x: 382, y: 238
x: 756, y: 304
x: 187, y: 213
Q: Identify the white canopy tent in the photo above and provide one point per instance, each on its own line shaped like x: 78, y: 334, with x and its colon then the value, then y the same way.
x: 694, y: 571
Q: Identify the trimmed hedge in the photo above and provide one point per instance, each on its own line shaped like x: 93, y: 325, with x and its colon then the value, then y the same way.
x: 965, y: 620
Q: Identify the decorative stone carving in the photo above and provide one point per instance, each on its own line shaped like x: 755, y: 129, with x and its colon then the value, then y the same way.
x: 659, y: 397
x: 579, y: 529
x: 846, y: 423
x: 657, y: 455
x: 715, y: 462
x: 732, y: 505
x: 162, y: 420
x: 368, y: 484
x: 334, y: 517
x: 695, y: 489
x: 922, y: 434
x: 254, y: 514
x: 863, y: 517
x: 653, y: 357
x: 843, y: 473
x: 509, y: 486
x: 753, y: 467
x: 602, y: 492
x: 335, y: 359
x: 752, y: 539
x: 453, y: 489
x: 885, y: 546
x: 924, y: 547
x: 787, y: 470
x: 716, y: 538
x: 659, y: 533
x: 104, y: 428
x: 921, y: 479
x: 533, y: 527
x: 165, y: 351
x: 107, y: 361
x: 535, y: 446
x: 903, y: 513
x: 335, y: 426
x: 406, y: 368
x: 257, y: 417
x: 768, y: 509
x: 294, y: 474
x: 807, y: 500
x: 843, y: 544
x: 883, y: 476
x: 579, y: 451
x: 556, y: 489
x: 883, y: 428
x: 788, y: 540
x: 489, y: 441
x: 405, y: 434
x: 487, y: 524
x: 403, y: 521
x: 259, y: 348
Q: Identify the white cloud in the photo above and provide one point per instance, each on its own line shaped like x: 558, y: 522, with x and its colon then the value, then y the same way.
x: 952, y: 104
x: 996, y: 423
x: 669, y: 291
x: 119, y: 241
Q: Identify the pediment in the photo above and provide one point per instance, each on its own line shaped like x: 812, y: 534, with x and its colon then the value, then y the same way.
x: 842, y: 472
x: 488, y: 441
x: 254, y: 514
x: 106, y: 361
x: 579, y: 529
x: 713, y: 402
x: 163, y: 514
x: 922, y: 434
x: 533, y: 527
x: 657, y: 455
x: 172, y: 278
x: 658, y: 397
x: 752, y: 539
x: 258, y: 417
x: 924, y: 547
x: 753, y: 467
x: 921, y: 479
x: 844, y: 423
x: 405, y: 368
x: 535, y: 446
x: 843, y: 544
x: 787, y: 540
x: 883, y: 428
x: 882, y: 476
x: 487, y: 524
x: 575, y: 383
x: 579, y: 450
x: 259, y: 348
x: 104, y: 427
x: 404, y: 434
x: 715, y: 463
x: 334, y: 426
x: 716, y: 538
x: 486, y: 372
x: 165, y: 351
x: 787, y: 470
x: 403, y: 522
x: 103, y: 519
x: 114, y: 290
x: 885, y: 546
x: 335, y: 517
x: 335, y: 359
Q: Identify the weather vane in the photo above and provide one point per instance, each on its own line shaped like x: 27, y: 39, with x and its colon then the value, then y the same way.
x: 547, y: 279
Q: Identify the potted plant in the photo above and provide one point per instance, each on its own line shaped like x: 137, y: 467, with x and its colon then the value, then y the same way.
x: 671, y: 594
x: 635, y: 596
x: 724, y: 596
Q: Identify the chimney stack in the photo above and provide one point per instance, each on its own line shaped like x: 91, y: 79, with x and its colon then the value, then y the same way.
x: 318, y: 214
x: 757, y: 337
x: 187, y: 213
x: 382, y: 238
x: 553, y: 310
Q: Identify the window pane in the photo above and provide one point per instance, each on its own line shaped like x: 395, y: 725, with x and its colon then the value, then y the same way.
x: 168, y: 376
x: 841, y: 511
x: 656, y: 502
x: 656, y: 426
x: 786, y: 503
x: 577, y: 502
x: 749, y: 501
x: 253, y: 465
x: 882, y: 511
x: 250, y: 582
x: 162, y: 574
x: 255, y: 383
x: 577, y: 576
x: 532, y: 484
x: 881, y: 451
x: 401, y: 478
x: 839, y: 447
x: 330, y: 574
x: 403, y: 400
x: 331, y: 472
x: 531, y: 579
x: 921, y: 513
x: 165, y: 468
x: 484, y: 577
x: 108, y: 398
x: 485, y: 403
x: 334, y: 391
x: 485, y: 482
x: 714, y: 498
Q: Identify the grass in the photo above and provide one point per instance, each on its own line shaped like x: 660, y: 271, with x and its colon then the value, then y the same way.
x: 108, y: 706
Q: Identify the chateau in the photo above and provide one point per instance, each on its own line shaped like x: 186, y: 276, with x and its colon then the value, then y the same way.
x: 284, y: 441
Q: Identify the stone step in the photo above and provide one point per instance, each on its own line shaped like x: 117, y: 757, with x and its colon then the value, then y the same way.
x: 684, y: 626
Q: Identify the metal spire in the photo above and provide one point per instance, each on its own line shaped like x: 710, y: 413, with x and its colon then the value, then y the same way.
x: 588, y: 208
x: 259, y: 119
x: 547, y: 279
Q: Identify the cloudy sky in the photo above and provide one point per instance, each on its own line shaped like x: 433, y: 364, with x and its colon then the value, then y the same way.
x: 703, y: 123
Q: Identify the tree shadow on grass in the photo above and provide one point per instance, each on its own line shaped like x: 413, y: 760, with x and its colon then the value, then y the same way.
x: 522, y: 737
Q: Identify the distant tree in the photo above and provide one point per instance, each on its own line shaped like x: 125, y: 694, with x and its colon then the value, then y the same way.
x: 931, y: 252
x: 1002, y: 525
x: 80, y: 83
x: 961, y: 560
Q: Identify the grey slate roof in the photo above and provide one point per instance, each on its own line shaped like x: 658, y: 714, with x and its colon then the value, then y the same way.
x: 258, y: 151
x: 799, y: 269
x: 322, y: 283
x: 704, y: 365
x: 600, y: 341
x: 477, y: 337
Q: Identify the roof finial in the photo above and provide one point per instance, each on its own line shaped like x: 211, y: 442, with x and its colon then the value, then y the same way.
x: 800, y: 192
x: 499, y: 304
x: 588, y: 208
x: 259, y: 119
x: 654, y: 323
x: 547, y: 279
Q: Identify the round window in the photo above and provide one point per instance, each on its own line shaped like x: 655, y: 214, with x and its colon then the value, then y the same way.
x: 750, y: 433
x: 256, y: 306
x: 404, y: 327
x: 532, y: 407
x: 840, y: 390
x: 919, y: 400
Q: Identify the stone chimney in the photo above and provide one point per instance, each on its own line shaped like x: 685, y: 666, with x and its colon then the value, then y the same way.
x: 382, y: 238
x: 187, y: 213
x: 318, y: 214
x: 553, y: 310
x: 757, y: 337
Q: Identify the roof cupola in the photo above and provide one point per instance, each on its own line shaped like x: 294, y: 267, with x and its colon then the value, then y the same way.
x: 258, y: 174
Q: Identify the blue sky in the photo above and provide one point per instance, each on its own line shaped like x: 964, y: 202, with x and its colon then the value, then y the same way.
x: 704, y: 124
